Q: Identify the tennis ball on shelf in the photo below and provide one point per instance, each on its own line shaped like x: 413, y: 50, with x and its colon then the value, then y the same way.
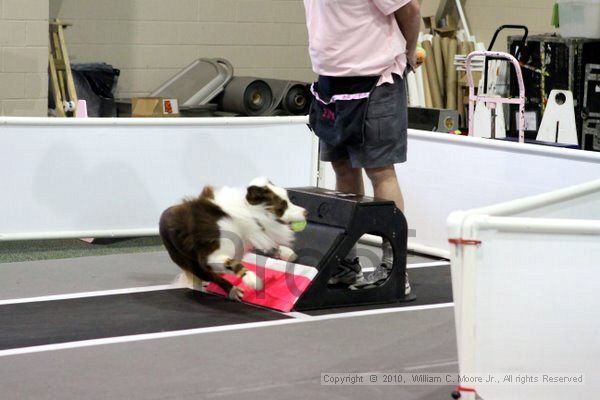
x: 421, y: 54
x: 298, y: 226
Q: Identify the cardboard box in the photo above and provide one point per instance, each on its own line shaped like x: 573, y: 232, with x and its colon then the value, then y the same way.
x: 154, y: 107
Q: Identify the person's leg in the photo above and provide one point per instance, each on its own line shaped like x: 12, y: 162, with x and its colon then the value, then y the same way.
x: 385, y: 184
x: 385, y: 144
x: 348, y: 179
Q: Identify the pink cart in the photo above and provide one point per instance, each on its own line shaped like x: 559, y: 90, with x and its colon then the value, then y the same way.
x: 494, y: 101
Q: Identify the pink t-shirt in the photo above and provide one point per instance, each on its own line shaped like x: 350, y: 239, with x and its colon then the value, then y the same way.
x: 355, y: 38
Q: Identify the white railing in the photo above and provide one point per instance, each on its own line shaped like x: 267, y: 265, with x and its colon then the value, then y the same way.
x: 525, y: 279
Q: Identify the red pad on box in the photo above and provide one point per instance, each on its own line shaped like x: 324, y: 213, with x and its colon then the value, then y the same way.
x: 283, y: 283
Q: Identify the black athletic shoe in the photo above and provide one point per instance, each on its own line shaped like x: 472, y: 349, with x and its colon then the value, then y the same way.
x: 348, y: 273
x: 379, y: 276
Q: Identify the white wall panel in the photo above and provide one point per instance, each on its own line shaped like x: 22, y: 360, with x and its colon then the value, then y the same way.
x: 445, y: 173
x: 108, y: 174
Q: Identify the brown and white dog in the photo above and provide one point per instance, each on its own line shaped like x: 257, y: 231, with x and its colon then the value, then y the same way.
x: 209, y: 234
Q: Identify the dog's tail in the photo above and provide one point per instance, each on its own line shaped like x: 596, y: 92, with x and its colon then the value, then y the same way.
x: 167, y: 234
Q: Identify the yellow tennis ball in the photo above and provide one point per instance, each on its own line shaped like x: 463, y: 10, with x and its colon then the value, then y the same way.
x: 298, y: 226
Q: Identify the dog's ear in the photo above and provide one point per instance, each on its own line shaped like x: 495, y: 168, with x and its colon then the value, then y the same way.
x: 257, y: 195
x: 207, y: 193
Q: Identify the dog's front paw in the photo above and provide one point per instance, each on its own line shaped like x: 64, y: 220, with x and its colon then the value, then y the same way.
x: 236, y: 293
x: 251, y: 280
x: 287, y: 254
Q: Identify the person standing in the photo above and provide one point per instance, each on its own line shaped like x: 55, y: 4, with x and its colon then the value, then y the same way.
x: 361, y: 50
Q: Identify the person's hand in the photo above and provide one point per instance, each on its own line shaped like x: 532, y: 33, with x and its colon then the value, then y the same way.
x: 412, y: 60
x: 415, y: 60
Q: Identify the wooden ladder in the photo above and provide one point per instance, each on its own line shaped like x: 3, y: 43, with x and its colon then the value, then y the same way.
x: 61, y: 78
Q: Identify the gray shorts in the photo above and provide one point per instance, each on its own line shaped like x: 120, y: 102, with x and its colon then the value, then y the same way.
x: 384, y: 131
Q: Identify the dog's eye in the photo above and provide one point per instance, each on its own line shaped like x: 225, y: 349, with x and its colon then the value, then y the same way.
x: 282, y: 207
x: 279, y: 208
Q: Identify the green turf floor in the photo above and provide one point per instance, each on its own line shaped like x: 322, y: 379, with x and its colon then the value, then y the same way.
x: 31, y: 250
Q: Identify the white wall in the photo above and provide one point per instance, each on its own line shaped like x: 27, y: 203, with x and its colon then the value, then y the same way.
x: 485, y: 16
x: 150, y: 40
x: 23, y: 57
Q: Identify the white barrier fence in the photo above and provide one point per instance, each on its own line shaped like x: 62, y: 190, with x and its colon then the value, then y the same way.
x: 113, y: 177
x: 525, y: 279
x: 445, y: 173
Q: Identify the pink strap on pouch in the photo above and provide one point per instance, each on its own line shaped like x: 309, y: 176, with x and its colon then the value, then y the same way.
x: 337, y: 97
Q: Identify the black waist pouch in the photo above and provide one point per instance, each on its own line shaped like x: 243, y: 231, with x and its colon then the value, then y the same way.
x: 339, y: 107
